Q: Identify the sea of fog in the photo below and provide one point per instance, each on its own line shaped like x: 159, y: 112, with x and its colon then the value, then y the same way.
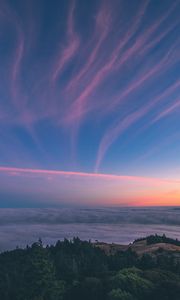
x: 19, y: 227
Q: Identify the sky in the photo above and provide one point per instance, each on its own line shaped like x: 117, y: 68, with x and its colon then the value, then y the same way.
x: 89, y: 103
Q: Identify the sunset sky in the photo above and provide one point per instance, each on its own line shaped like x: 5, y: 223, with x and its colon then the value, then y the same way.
x: 89, y: 102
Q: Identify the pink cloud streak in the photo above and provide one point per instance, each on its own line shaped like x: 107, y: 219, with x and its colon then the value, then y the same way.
x: 78, y: 109
x: 116, y: 61
x: 102, y: 29
x: 15, y: 171
x: 114, y: 132
x: 17, y: 66
x: 167, y: 111
x: 163, y: 64
x: 140, y: 44
x: 10, y: 16
x: 70, y: 49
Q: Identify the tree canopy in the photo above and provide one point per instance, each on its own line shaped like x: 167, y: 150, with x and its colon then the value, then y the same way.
x: 75, y: 269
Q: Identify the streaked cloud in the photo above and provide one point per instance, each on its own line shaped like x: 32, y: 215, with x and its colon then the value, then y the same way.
x: 80, y: 82
x: 72, y: 45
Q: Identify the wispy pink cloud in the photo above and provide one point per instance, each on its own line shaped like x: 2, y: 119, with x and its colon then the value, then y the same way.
x: 102, y: 28
x: 77, y: 110
x: 17, y: 66
x: 69, y: 50
x: 173, y: 107
x: 160, y: 37
x: 140, y: 44
x: 158, y: 147
x: 116, y: 61
x: 115, y: 131
x: 117, y: 50
x: 158, y: 99
x: 19, y: 171
x: 10, y: 17
x: 167, y: 61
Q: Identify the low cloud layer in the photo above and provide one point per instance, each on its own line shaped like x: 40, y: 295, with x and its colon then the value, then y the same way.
x: 50, y: 216
x: 19, y: 227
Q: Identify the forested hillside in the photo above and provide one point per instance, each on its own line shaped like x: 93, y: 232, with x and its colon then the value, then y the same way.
x: 77, y: 269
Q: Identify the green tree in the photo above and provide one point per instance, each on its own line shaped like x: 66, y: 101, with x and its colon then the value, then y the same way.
x: 130, y: 280
x: 118, y: 294
x: 40, y: 277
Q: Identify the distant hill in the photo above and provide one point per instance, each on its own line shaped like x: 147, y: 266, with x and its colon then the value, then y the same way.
x: 150, y: 244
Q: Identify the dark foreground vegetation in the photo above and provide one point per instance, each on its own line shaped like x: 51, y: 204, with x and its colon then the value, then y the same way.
x: 80, y: 270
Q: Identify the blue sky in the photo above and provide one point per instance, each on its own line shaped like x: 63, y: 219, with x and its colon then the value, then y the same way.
x: 89, y: 87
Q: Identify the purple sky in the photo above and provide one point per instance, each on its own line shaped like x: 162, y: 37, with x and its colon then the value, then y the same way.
x: 90, y: 89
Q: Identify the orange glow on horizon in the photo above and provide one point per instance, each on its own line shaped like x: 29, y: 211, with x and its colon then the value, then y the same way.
x: 97, y: 188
